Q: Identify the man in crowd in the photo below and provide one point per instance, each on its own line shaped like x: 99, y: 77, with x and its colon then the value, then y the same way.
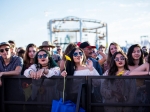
x: 59, y: 51
x: 87, y: 48
x: 145, y: 49
x: 46, y: 45
x: 12, y: 47
x: 11, y: 65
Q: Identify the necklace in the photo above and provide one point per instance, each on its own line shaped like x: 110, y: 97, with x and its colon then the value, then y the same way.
x: 45, y: 66
x: 120, y: 73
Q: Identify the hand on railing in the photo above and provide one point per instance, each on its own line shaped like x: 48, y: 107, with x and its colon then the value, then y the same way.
x: 39, y: 73
x: 64, y: 73
x: 36, y: 75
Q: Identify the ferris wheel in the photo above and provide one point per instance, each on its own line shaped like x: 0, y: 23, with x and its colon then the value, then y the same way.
x: 81, y: 26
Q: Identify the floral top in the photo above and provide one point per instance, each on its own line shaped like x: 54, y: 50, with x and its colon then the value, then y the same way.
x: 126, y: 73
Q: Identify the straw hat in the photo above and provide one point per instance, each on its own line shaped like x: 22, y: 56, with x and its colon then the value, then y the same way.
x: 46, y: 44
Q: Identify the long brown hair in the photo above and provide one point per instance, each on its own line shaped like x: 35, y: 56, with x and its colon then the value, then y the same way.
x: 131, y: 59
x: 109, y: 53
x: 113, y: 67
x: 68, y: 49
x: 27, y: 58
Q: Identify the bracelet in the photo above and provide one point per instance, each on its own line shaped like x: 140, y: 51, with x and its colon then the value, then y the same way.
x: 30, y: 72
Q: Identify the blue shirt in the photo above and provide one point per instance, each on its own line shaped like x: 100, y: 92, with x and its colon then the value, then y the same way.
x: 14, y: 62
x: 96, y: 66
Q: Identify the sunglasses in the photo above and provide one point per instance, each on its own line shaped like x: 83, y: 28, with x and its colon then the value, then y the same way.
x: 40, y: 56
x: 2, y: 50
x: 93, y: 52
x: 58, y: 49
x: 75, y: 54
x: 121, y: 58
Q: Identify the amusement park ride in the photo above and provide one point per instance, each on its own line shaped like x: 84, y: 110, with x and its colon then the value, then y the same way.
x: 55, y: 26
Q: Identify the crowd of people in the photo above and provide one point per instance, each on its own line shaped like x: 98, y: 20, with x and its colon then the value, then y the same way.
x: 34, y: 62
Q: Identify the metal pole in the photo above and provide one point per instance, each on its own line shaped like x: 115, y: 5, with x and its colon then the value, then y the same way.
x: 106, y: 36
x: 80, y: 30
x: 96, y: 41
x: 76, y: 37
x: 50, y: 27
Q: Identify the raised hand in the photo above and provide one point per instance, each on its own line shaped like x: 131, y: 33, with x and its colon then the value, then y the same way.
x: 90, y: 65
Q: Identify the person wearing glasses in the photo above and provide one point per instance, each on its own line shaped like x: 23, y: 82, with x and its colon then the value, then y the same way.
x: 43, y: 90
x: 87, y: 48
x: 118, y: 90
x: 43, y: 65
x: 79, y: 66
x: 11, y: 65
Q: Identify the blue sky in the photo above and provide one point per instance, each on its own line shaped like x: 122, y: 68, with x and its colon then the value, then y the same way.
x: 25, y: 21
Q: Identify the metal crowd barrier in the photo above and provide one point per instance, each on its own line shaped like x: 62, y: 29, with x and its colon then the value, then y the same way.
x: 21, y: 94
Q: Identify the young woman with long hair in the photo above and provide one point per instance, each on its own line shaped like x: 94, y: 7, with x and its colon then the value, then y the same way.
x: 67, y: 51
x: 135, y: 56
x: 118, y: 90
x: 31, y: 50
x: 143, y: 69
x: 43, y: 65
x: 78, y: 66
x: 113, y: 47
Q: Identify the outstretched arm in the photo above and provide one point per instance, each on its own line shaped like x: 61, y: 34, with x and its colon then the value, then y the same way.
x: 141, y: 70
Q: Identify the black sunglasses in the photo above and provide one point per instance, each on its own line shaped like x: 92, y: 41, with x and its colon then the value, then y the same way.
x: 121, y: 58
x: 40, y: 56
x: 75, y: 54
x: 58, y: 49
x: 2, y: 50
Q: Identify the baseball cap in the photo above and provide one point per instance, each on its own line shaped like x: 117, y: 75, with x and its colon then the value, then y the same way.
x: 86, y: 44
x: 4, y: 43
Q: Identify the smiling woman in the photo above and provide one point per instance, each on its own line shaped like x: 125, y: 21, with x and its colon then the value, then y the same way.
x: 118, y: 90
x: 78, y: 66
x: 43, y: 65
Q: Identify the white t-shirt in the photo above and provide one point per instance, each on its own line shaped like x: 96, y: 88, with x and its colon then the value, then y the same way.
x: 86, y: 72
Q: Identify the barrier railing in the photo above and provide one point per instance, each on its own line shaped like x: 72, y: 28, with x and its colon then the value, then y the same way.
x: 92, y: 93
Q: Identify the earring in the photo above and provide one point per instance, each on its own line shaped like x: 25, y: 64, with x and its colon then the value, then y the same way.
x: 39, y: 65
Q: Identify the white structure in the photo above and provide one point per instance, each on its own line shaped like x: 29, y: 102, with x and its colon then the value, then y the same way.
x: 55, y: 26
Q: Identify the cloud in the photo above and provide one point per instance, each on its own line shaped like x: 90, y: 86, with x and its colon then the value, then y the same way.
x: 48, y: 13
x: 125, y: 5
x: 93, y: 10
x: 73, y: 10
x: 134, y: 5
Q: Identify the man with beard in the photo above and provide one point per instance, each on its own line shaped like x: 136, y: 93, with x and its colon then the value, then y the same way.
x: 87, y: 48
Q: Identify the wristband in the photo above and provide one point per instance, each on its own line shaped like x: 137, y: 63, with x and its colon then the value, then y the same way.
x: 30, y: 72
